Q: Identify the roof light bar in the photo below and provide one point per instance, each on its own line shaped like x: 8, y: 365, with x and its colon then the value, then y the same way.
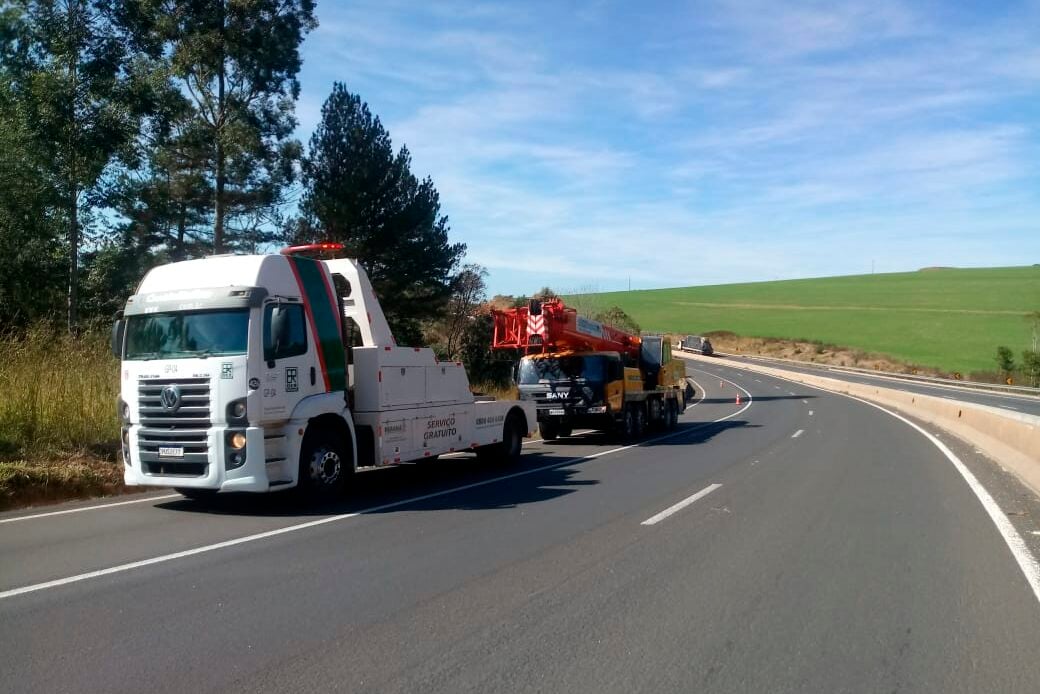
x: 312, y: 248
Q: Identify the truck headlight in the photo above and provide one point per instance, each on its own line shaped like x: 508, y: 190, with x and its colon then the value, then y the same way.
x: 124, y: 411
x: 238, y: 440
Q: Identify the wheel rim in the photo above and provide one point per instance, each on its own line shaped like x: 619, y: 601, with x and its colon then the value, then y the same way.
x: 326, y: 467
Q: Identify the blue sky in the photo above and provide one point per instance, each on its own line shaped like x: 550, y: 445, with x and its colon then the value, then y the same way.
x: 586, y: 145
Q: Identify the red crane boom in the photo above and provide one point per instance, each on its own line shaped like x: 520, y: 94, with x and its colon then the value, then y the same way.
x: 550, y: 326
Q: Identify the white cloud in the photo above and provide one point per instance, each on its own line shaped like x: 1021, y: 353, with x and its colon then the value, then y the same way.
x: 733, y: 142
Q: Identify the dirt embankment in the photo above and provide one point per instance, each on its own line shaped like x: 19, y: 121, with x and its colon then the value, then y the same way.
x: 816, y: 352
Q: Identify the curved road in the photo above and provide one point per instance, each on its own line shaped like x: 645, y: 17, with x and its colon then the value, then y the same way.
x: 1026, y: 404
x: 798, y: 542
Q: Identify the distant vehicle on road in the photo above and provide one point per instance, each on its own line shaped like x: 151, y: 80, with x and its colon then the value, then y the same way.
x: 696, y: 344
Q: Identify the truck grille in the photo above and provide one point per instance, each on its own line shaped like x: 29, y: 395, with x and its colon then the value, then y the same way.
x: 183, y: 428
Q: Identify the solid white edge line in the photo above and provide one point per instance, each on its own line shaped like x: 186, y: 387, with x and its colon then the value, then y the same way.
x: 703, y: 394
x: 88, y: 508
x: 797, y: 433
x: 675, y: 508
x: 343, y: 516
x: 1026, y: 562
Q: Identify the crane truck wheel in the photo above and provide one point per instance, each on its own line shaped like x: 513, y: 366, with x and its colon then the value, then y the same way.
x: 549, y: 431
x: 688, y: 395
x: 626, y: 427
x: 639, y: 422
x: 673, y: 414
x: 566, y: 431
x: 323, y: 466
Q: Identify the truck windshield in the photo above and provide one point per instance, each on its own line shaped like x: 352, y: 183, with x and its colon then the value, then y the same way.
x: 185, y: 335
x: 545, y: 369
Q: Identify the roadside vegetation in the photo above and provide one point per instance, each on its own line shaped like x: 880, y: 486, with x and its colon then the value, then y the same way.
x: 59, y: 436
x: 947, y: 319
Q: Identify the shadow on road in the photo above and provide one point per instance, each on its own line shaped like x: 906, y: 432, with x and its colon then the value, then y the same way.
x: 546, y: 471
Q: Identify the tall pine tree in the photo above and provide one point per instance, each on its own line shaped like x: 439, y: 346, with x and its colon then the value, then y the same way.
x: 67, y: 69
x: 359, y: 193
x: 237, y: 61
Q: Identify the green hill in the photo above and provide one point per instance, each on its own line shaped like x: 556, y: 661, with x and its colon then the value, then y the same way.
x: 952, y: 319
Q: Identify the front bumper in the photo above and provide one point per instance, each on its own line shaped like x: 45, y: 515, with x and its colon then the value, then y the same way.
x: 147, y: 469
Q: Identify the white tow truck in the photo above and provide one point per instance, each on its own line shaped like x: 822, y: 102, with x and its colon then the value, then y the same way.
x: 260, y: 373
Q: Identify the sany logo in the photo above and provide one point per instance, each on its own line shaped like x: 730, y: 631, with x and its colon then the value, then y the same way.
x: 556, y: 396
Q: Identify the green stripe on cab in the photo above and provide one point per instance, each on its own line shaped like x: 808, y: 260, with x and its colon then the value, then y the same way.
x: 322, y: 302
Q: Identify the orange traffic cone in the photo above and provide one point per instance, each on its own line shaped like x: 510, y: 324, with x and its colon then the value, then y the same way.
x: 738, y: 398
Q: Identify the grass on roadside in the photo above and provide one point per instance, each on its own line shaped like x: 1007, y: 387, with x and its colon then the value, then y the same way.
x: 59, y: 434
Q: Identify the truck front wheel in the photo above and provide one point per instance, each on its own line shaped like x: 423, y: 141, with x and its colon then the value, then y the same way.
x: 626, y: 427
x: 548, y: 430
x: 323, y: 467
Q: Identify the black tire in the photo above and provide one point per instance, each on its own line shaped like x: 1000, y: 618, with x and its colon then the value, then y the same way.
x: 513, y: 439
x: 566, y: 431
x: 549, y: 431
x: 674, y: 420
x: 639, y: 420
x: 688, y: 395
x: 626, y: 428
x: 323, y: 466
x: 507, y: 451
x: 196, y: 494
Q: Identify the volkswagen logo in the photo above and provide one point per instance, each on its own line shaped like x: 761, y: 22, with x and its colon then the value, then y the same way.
x: 170, y: 398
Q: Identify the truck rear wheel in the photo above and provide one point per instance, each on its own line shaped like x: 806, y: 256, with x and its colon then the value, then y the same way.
x: 566, y: 431
x: 511, y: 447
x: 673, y: 414
x: 639, y: 422
x: 323, y: 466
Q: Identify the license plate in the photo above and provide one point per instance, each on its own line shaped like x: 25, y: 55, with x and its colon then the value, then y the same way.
x: 557, y: 413
x: 171, y: 451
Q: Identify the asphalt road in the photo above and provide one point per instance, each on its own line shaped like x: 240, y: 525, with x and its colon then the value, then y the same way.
x: 1026, y: 404
x: 799, y: 542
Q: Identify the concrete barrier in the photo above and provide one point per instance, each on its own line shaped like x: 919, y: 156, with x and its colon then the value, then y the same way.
x: 1010, y: 438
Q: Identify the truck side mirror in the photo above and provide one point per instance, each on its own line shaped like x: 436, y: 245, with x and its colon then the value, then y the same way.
x: 535, y: 307
x: 118, y: 330
x: 280, y: 328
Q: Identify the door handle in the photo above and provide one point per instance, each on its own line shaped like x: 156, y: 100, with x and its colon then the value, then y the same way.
x: 313, y: 376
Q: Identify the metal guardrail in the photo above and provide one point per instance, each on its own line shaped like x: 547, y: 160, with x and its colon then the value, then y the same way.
x: 949, y: 382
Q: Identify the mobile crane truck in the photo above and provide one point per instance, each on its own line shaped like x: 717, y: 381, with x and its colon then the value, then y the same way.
x: 581, y: 373
x: 259, y: 373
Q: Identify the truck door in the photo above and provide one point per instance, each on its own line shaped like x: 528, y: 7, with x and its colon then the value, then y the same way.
x: 290, y: 365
